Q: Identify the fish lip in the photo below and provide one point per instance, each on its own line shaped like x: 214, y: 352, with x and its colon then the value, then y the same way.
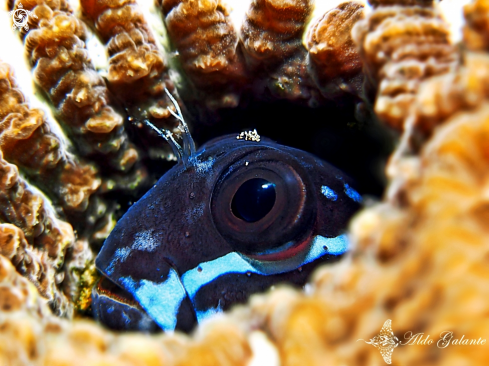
x: 283, y: 252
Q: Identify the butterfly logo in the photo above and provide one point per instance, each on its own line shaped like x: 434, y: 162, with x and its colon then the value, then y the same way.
x: 386, y: 341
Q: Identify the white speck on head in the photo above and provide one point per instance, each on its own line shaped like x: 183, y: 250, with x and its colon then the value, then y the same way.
x: 204, y: 166
x: 145, y: 241
x: 194, y: 213
x: 120, y: 256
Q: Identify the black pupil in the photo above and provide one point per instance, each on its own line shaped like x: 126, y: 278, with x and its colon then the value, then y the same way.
x: 253, y: 200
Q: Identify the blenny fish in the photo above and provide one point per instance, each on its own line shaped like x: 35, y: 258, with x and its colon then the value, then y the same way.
x: 229, y: 220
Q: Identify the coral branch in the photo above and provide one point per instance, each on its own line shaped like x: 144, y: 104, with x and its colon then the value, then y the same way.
x: 273, y: 29
x: 207, y: 45
x: 27, y: 141
x: 333, y: 58
x: 27, y: 210
x: 63, y: 69
x: 137, y: 72
x: 401, y: 46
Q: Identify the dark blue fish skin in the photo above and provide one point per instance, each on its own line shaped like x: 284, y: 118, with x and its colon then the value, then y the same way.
x: 169, y: 250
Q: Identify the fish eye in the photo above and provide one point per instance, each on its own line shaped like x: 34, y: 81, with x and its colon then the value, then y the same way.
x: 253, y: 200
x: 261, y: 203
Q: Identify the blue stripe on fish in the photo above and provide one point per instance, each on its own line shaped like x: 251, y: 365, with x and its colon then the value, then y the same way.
x: 233, y: 262
x: 160, y: 300
x: 354, y: 195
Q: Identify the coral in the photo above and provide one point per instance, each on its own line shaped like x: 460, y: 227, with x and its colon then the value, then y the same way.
x: 32, y: 263
x: 27, y: 141
x: 273, y: 29
x: 402, y: 46
x: 62, y: 68
x: 18, y: 294
x: 333, y: 58
x: 28, y: 210
x: 419, y: 259
x: 476, y: 30
x: 267, y: 55
x: 207, y: 44
x: 137, y: 71
x: 55, y: 342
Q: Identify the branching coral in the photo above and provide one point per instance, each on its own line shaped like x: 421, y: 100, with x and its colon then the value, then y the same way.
x: 265, y: 55
x: 333, y: 58
x: 27, y: 141
x: 273, y: 29
x: 26, y: 209
x: 137, y: 71
x: 403, y: 45
x: 419, y: 260
x: 207, y: 44
x: 63, y: 69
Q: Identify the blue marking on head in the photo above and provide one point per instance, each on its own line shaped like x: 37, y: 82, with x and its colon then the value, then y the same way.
x: 354, y: 195
x: 233, y: 262
x: 160, y: 300
x: 207, y: 272
x: 120, y: 256
x: 329, y: 193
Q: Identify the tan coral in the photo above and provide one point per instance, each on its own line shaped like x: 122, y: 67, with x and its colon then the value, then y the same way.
x: 402, y: 46
x: 32, y: 263
x: 137, y: 71
x: 421, y: 263
x: 64, y: 71
x: 17, y: 293
x: 333, y: 57
x: 27, y: 210
x: 57, y: 342
x: 207, y: 42
x: 273, y: 29
x: 476, y: 29
x: 27, y: 141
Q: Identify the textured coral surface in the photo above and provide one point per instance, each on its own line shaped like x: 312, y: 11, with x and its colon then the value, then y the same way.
x: 419, y: 256
x: 137, y: 71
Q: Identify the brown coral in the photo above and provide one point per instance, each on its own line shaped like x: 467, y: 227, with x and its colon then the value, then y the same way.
x: 27, y: 141
x: 273, y: 29
x: 476, y: 30
x: 402, y: 46
x: 137, y: 71
x: 28, y: 210
x: 63, y: 70
x: 333, y: 58
x: 207, y: 45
